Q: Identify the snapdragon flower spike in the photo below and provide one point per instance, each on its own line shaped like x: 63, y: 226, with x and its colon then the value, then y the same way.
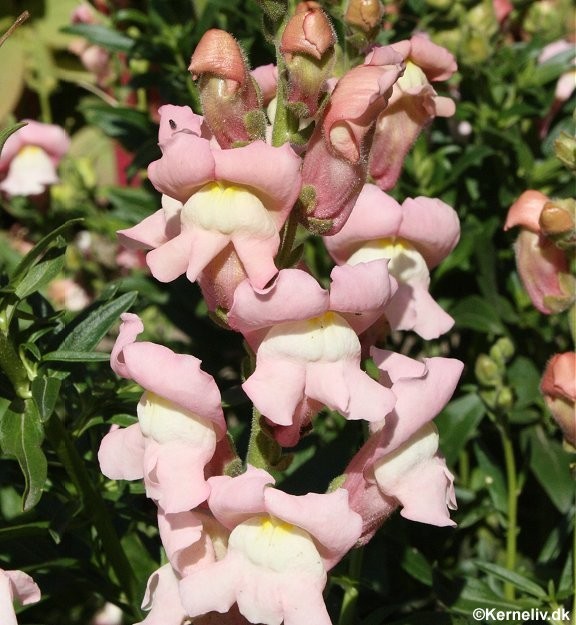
x: 399, y: 465
x: 279, y: 551
x: 415, y: 236
x: 542, y: 266
x: 335, y: 164
x: 231, y: 101
x: 412, y: 106
x: 30, y: 157
x: 180, y: 419
x: 307, y: 45
x: 229, y: 199
x: 307, y: 348
x: 15, y: 586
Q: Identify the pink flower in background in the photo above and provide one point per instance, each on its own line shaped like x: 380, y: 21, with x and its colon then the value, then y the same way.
x: 30, y: 157
x: 279, y: 551
x: 15, y: 586
x: 399, y: 465
x: 542, y: 266
x: 307, y: 348
x: 415, y: 237
x: 179, y: 421
x: 412, y: 106
x: 559, y: 389
x: 235, y: 200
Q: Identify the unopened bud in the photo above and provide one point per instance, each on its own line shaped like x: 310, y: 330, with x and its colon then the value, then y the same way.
x: 505, y: 398
x: 364, y: 14
x: 565, y: 150
x: 487, y: 371
x: 557, y: 221
x: 502, y: 350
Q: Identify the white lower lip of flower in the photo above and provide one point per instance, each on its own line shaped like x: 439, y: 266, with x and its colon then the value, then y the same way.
x: 164, y: 421
x: 419, y: 448
x: 31, y: 171
x: 270, y: 543
x: 406, y: 264
x: 326, y: 338
x: 228, y: 209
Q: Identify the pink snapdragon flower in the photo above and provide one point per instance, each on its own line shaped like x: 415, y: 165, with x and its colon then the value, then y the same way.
x: 15, y: 586
x: 180, y: 419
x: 335, y: 164
x: 279, y: 551
x: 30, y: 157
x: 412, y: 106
x: 307, y: 348
x: 399, y: 465
x: 415, y: 237
x: 559, y: 389
x: 542, y: 266
x: 236, y: 199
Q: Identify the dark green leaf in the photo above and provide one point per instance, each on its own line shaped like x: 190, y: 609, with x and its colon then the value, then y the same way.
x: 41, y: 273
x: 416, y: 565
x: 92, y: 324
x: 21, y: 436
x: 476, y: 313
x: 522, y: 583
x: 45, y: 391
x: 6, y: 132
x: 493, y: 479
x: 62, y: 355
x: 101, y: 36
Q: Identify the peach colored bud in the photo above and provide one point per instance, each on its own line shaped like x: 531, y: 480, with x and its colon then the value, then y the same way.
x: 309, y: 31
x: 219, y: 54
x: 525, y: 211
x: 558, y: 218
x: 364, y: 14
x: 559, y: 389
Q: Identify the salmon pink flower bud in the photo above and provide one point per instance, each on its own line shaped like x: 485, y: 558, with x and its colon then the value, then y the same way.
x: 279, y: 551
x: 230, y: 98
x: 30, y: 157
x: 179, y: 420
x: 412, y: 106
x: 542, y: 266
x: 307, y: 346
x: 308, y: 48
x: 335, y: 164
x: 559, y: 389
x: 364, y: 14
x: 415, y: 237
x: 15, y: 586
x: 399, y: 464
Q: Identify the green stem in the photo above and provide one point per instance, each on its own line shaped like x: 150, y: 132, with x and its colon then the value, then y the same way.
x: 512, y: 505
x: 96, y: 509
x: 288, y: 238
x: 351, y: 594
x: 45, y: 108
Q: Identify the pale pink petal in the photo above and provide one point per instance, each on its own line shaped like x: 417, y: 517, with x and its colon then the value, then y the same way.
x: 436, y: 62
x: 51, y: 138
x: 186, y: 165
x: 257, y: 256
x: 326, y: 517
x: 121, y: 454
x: 170, y: 260
x: 303, y: 603
x: 525, y: 211
x: 431, y: 226
x: 175, y: 119
x: 7, y: 615
x: 234, y: 500
x: 162, y: 598
x: 413, y: 308
x: 272, y: 172
x: 149, y: 233
x: 267, y: 78
x: 344, y: 387
x: 276, y: 388
x: 24, y: 588
x: 252, y: 311
x: 205, y: 245
x: 210, y: 589
x: 165, y: 466
x: 179, y: 533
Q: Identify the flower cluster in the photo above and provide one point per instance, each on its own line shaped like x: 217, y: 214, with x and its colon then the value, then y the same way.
x: 278, y: 151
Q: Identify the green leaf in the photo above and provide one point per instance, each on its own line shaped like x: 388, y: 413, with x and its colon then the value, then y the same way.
x: 476, y: 313
x: 62, y: 355
x: 550, y: 464
x: 41, y: 273
x: 457, y: 424
x: 416, y: 565
x: 38, y: 251
x: 101, y: 36
x: 45, y: 392
x: 21, y: 436
x: 522, y: 583
x: 92, y: 324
